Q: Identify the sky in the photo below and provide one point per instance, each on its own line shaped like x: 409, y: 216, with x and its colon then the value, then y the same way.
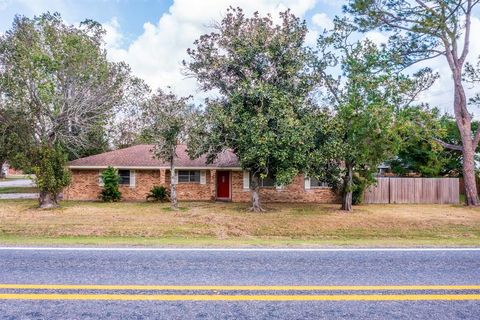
x: 152, y: 36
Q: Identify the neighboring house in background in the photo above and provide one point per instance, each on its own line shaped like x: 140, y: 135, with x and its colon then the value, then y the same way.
x: 222, y: 180
x: 384, y: 170
x: 9, y: 171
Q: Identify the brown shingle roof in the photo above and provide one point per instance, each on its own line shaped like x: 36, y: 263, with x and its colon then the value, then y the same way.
x: 142, y: 156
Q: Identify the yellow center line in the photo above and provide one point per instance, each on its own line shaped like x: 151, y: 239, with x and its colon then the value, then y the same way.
x: 133, y: 297
x: 234, y: 287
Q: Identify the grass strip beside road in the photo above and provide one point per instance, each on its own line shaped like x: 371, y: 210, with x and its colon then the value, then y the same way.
x: 179, y: 242
x: 4, y: 190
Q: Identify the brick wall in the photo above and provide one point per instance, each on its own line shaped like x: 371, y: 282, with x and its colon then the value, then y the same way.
x: 85, y: 186
x: 195, y: 191
x: 294, y: 192
x: 144, y: 182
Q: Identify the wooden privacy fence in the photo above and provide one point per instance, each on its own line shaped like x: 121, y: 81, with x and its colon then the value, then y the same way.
x: 413, y: 190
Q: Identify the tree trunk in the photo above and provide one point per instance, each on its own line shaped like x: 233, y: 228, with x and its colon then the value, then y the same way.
x: 256, y: 206
x: 47, y: 200
x: 2, y: 175
x: 471, y: 196
x: 463, y: 119
x: 173, y: 188
x: 347, y: 193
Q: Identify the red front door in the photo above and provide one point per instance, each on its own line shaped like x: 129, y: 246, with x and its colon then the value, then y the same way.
x: 223, y: 184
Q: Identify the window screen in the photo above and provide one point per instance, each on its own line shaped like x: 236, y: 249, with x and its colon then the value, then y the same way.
x: 189, y: 176
x: 124, y: 176
x: 315, y: 183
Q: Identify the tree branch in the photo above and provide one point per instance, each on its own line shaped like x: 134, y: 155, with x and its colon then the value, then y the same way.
x: 448, y: 145
x: 476, y: 140
x: 466, y: 41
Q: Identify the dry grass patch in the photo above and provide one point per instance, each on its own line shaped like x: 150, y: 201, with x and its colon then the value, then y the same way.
x: 230, y: 221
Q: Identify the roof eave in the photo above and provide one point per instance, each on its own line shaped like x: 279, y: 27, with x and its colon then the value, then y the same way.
x: 151, y: 168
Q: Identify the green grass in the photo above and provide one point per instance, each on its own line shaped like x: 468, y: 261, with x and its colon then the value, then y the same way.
x: 208, y: 224
x: 231, y: 243
x: 16, y: 177
x: 18, y: 190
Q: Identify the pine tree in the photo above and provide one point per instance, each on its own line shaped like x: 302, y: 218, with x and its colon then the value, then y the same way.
x: 111, y: 179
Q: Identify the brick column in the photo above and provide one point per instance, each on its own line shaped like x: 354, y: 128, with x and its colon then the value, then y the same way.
x: 162, y: 177
x: 213, y: 184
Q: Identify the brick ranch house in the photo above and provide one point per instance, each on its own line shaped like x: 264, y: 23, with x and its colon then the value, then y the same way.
x: 196, y: 180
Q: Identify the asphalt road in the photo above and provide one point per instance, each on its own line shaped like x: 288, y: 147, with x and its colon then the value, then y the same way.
x: 17, y: 183
x: 239, y: 284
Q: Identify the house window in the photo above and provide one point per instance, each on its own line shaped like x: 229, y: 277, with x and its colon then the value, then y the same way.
x: 315, y: 183
x: 268, y: 181
x: 185, y: 176
x: 124, y: 176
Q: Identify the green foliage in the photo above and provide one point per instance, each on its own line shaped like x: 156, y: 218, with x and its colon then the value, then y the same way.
x: 423, y: 30
x: 261, y: 72
x: 158, y: 193
x: 167, y: 117
x: 96, y: 142
x: 51, y: 174
x: 57, y: 89
x: 420, y: 153
x: 359, y: 186
x: 366, y: 125
x: 418, y: 30
x: 111, y: 179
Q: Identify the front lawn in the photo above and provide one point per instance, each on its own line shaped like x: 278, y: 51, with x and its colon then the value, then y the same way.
x: 230, y: 224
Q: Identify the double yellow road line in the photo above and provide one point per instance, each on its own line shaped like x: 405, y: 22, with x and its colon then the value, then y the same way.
x: 244, y: 297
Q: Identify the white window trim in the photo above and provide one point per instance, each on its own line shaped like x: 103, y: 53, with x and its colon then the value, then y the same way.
x: 246, y: 180
x: 132, y: 179
x: 203, y: 177
x: 100, y: 180
x: 307, y: 183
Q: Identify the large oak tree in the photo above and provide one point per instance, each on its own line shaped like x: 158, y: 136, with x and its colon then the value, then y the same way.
x: 260, y: 71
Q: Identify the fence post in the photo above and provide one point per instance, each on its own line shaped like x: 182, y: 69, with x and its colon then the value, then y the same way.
x: 389, y: 190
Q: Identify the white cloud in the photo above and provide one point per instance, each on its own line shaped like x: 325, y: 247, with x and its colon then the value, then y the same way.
x: 322, y: 20
x: 376, y: 37
x: 113, y: 36
x: 156, y: 55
